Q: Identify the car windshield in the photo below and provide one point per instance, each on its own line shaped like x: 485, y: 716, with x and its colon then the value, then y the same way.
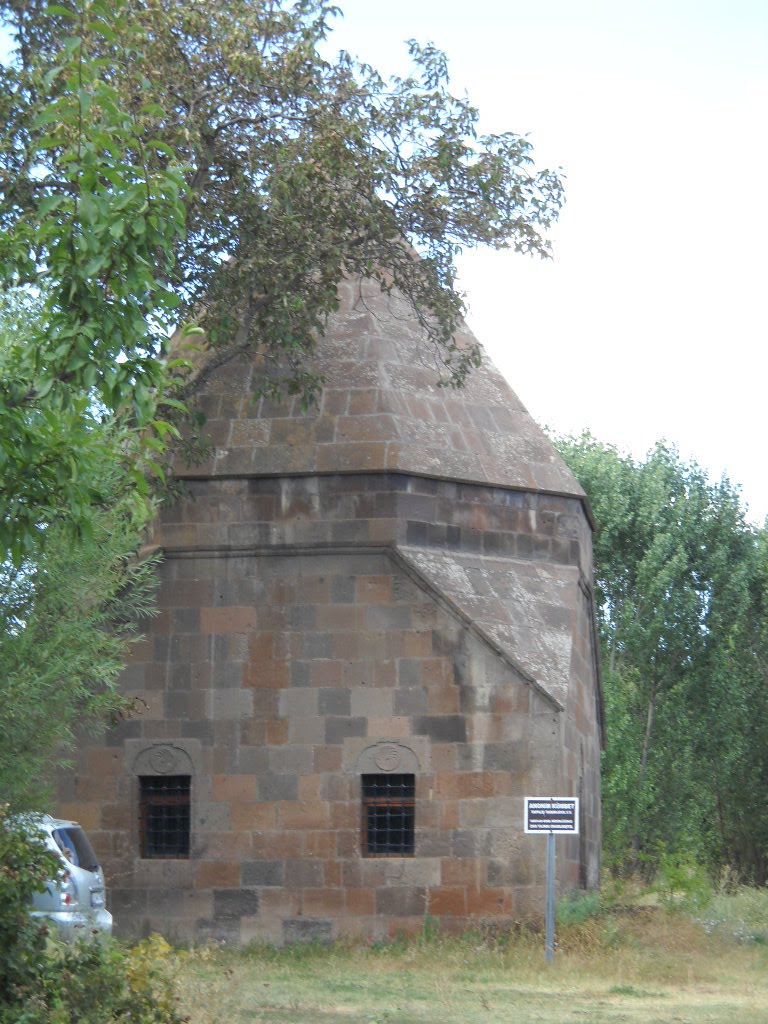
x: 74, y: 844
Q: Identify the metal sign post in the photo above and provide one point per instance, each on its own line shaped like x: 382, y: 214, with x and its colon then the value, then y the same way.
x: 551, y: 814
x: 549, y: 912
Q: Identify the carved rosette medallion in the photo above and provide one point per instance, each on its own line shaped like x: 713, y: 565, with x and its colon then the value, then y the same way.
x: 163, y: 760
x: 387, y: 759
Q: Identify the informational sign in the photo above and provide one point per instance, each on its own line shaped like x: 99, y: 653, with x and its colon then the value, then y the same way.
x: 552, y: 814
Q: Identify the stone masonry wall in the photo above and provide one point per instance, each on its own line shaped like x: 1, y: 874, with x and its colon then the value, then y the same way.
x: 298, y: 640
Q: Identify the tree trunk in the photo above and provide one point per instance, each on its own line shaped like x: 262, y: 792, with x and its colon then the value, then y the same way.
x: 643, y: 767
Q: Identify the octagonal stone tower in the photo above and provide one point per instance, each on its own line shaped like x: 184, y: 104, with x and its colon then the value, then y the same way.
x: 376, y: 637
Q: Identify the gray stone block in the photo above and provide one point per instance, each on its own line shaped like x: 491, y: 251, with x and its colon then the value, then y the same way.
x: 410, y: 702
x: 441, y: 728
x: 278, y: 787
x: 252, y: 760
x: 317, y: 645
x: 263, y: 873
x: 127, y: 903
x: 409, y: 672
x: 343, y: 590
x: 401, y: 901
x: 232, y: 903
x: 334, y: 701
x: 506, y: 757
x: 301, y: 673
x: 463, y: 843
x: 339, y: 729
x: 291, y: 760
x: 202, y: 731
x: 307, y: 929
x: 303, y: 874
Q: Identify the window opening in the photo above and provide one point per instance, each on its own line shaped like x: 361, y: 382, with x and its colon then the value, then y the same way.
x: 74, y: 844
x: 389, y: 815
x: 164, y: 815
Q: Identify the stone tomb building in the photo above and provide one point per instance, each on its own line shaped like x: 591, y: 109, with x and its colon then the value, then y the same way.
x: 376, y: 637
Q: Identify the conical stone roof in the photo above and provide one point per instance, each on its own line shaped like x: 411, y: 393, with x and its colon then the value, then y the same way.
x: 380, y: 410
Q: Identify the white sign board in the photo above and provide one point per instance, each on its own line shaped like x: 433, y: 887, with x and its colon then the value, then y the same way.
x: 552, y: 814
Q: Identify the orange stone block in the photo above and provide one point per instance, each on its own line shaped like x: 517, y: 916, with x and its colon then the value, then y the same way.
x: 340, y: 616
x: 261, y: 647
x: 162, y: 622
x: 403, y: 926
x: 227, y: 620
x: 462, y: 871
x: 484, y: 902
x: 280, y: 902
x: 436, y: 672
x: 322, y: 902
x: 332, y: 874
x: 373, y: 589
x: 503, y: 784
x: 385, y: 672
x: 295, y: 814
x: 449, y: 814
x: 86, y: 814
x: 320, y: 844
x: 309, y: 788
x: 447, y: 901
x: 443, y: 699
x: 465, y: 784
x: 360, y: 902
x: 326, y: 674
x: 328, y: 759
x: 253, y: 732
x: 345, y: 814
x: 217, y: 875
x: 266, y: 675
x: 417, y: 643
x: 278, y: 845
x: 252, y: 816
x: 105, y: 762
x: 277, y: 732
x: 231, y: 846
x: 444, y: 757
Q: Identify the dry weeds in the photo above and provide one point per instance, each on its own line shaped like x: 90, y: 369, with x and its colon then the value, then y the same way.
x: 639, y: 966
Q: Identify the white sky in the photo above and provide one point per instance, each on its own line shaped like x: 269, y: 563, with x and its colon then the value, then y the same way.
x: 650, y: 321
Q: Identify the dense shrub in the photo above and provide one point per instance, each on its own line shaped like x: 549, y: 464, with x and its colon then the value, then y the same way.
x: 44, y: 981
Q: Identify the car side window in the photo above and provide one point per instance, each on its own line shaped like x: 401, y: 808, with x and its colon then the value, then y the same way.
x: 65, y: 844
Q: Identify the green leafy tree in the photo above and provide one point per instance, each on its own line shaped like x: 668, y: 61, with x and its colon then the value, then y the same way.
x: 161, y: 160
x: 68, y: 612
x: 680, y: 587
x: 67, y: 622
x: 87, y: 232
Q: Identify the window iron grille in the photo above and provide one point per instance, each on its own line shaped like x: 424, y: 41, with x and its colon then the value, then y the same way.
x: 389, y: 815
x: 164, y: 815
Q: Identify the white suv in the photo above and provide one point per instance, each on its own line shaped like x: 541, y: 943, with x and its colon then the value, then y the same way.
x: 75, y: 901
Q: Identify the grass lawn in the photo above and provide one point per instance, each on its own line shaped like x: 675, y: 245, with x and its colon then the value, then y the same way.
x: 646, y: 965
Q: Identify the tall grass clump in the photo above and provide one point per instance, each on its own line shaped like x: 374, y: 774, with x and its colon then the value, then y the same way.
x: 741, y: 914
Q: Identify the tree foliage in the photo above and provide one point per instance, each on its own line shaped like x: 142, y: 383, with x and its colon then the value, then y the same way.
x: 69, y: 609
x: 87, y: 231
x: 680, y: 581
x: 161, y: 160
x: 68, y: 619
